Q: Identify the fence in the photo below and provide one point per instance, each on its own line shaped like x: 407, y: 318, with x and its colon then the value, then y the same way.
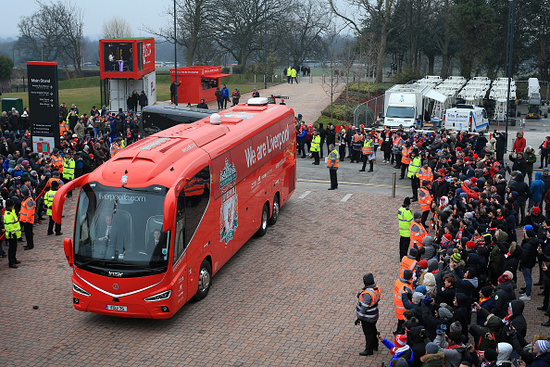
x: 367, y: 112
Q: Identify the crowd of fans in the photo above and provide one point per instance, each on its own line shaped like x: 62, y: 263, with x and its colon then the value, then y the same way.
x: 87, y: 140
x: 457, y: 301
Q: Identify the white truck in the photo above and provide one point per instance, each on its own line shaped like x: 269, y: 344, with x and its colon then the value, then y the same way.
x: 407, y: 104
x: 466, y: 118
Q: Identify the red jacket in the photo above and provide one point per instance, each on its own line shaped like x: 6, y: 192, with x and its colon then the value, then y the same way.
x: 519, y: 145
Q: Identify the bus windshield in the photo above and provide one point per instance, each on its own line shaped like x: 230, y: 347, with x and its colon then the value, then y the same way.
x: 119, y: 228
x: 400, y: 112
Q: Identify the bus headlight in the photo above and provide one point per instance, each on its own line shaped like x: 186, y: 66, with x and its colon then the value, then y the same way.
x: 81, y: 291
x: 159, y: 297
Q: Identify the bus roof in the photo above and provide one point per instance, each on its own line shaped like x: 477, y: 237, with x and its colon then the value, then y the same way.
x: 158, y: 159
x: 178, y: 110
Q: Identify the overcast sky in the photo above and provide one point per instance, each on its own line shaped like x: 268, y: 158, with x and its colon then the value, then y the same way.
x: 140, y: 14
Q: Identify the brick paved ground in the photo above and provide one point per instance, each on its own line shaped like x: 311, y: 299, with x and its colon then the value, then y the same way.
x: 285, y: 299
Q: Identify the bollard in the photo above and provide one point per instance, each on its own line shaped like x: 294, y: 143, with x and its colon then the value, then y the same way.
x: 323, y: 79
x: 254, y: 78
x: 310, y: 79
x: 394, y: 181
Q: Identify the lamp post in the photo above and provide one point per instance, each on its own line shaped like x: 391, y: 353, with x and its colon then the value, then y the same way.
x: 509, y: 57
x: 265, y: 44
x: 175, y: 57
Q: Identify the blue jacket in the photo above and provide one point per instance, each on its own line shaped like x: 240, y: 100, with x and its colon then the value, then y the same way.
x: 537, y: 188
x: 403, y: 354
x: 225, y: 92
x: 303, y: 135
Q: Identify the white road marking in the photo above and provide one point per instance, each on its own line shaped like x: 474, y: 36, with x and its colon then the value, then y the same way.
x: 306, y: 193
x: 346, y: 198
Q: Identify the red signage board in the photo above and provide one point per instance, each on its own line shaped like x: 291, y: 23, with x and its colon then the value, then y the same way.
x: 198, y: 82
x: 126, y: 58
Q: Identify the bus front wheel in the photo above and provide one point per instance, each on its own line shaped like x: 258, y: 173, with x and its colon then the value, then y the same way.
x: 263, y: 224
x: 205, y: 280
x: 275, y: 211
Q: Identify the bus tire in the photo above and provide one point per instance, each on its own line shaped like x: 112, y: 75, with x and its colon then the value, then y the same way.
x: 205, y: 280
x: 275, y: 210
x: 263, y: 221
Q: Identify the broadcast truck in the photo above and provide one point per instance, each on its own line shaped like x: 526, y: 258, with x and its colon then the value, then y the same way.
x: 466, y: 118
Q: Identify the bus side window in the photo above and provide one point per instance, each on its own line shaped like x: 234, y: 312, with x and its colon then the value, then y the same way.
x: 179, y: 240
x: 197, y: 195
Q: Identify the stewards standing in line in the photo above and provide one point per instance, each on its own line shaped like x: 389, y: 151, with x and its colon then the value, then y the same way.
x: 332, y: 164
x: 13, y: 233
x: 405, y: 217
x: 26, y: 217
x: 367, y: 313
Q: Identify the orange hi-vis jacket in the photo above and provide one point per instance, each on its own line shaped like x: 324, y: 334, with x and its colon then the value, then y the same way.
x: 424, y: 199
x: 407, y: 263
x: 57, y: 162
x: 425, y: 174
x: 26, y: 214
x: 398, y: 290
x: 406, y: 158
x: 417, y: 234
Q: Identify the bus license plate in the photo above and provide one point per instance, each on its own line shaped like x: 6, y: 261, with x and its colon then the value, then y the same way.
x: 116, y: 308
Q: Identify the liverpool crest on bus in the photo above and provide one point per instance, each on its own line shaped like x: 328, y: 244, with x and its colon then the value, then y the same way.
x: 229, y: 215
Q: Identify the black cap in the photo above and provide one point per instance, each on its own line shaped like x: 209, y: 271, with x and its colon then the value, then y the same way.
x: 413, y: 252
x: 368, y: 279
x: 417, y: 215
x: 407, y: 274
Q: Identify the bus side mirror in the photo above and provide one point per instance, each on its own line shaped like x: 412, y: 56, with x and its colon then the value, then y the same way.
x: 68, y: 247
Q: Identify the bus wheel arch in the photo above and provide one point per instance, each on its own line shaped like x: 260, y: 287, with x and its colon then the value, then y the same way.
x: 264, y: 219
x: 204, y: 279
x: 275, y: 209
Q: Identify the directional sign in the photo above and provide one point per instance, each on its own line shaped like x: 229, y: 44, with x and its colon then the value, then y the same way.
x: 43, y: 100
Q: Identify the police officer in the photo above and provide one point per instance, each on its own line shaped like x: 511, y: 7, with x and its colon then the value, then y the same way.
x: 13, y: 233
x: 332, y: 164
x: 405, y: 217
x: 367, y: 313
x: 68, y: 170
x: 368, y: 152
x: 26, y: 217
x: 48, y: 201
x: 414, y: 168
x: 315, y: 146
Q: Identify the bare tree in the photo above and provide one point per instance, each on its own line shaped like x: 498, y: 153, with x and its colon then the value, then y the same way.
x: 54, y: 32
x: 380, y: 13
x: 239, y: 24
x: 304, y: 31
x: 194, y: 22
x: 116, y: 28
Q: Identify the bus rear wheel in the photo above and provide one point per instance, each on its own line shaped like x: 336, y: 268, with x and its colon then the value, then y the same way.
x: 263, y: 224
x: 275, y: 210
x: 205, y: 280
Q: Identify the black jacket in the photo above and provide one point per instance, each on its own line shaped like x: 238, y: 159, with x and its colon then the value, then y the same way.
x: 504, y: 295
x: 528, y: 257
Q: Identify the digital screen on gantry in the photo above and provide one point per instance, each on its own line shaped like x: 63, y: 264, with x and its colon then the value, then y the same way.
x: 118, y: 57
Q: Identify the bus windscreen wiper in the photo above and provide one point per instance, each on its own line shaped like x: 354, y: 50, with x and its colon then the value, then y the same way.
x: 137, y: 190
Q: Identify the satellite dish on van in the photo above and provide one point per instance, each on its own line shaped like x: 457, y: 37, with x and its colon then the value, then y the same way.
x: 215, y: 119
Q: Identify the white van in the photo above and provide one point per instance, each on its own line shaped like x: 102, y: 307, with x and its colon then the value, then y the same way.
x: 466, y: 118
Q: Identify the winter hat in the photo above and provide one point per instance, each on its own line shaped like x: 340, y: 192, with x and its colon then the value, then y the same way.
x: 542, y: 346
x: 432, y: 348
x: 407, y: 274
x: 418, y: 297
x: 26, y: 163
x: 503, y: 278
x: 399, y: 363
x: 490, y: 355
x: 413, y: 252
x: 400, y: 340
x: 456, y: 257
x: 455, y: 327
x: 427, y: 240
x: 536, y: 210
x: 421, y: 289
x: 470, y: 245
x: 528, y: 227
x: 433, y: 264
x: 444, y: 313
x: 417, y: 215
x: 429, y: 282
x: 530, y: 233
x: 487, y: 291
x: 423, y: 264
x: 509, y: 273
x: 368, y: 279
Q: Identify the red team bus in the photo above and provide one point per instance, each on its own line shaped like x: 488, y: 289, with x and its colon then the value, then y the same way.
x: 157, y: 221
